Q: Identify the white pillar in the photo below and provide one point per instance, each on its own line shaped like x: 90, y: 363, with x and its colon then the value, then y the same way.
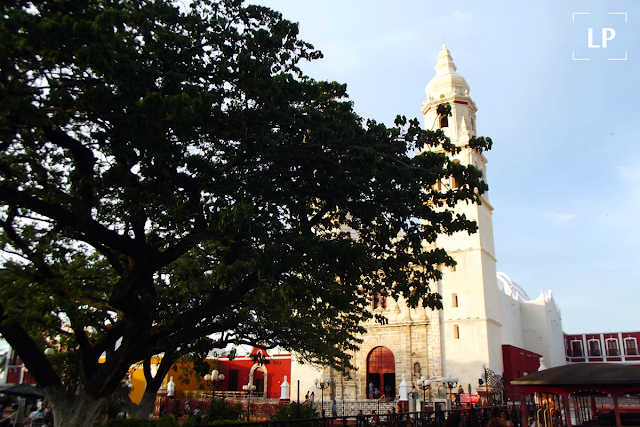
x: 404, y: 389
x: 171, y: 386
x: 284, y: 389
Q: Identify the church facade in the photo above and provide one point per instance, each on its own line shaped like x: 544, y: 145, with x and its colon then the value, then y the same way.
x: 487, y: 320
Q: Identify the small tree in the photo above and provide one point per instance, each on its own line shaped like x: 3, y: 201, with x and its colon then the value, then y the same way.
x: 169, y: 174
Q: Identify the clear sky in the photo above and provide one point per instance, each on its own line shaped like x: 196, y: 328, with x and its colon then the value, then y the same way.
x: 564, y: 174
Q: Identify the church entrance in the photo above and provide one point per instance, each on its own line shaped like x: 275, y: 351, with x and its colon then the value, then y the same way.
x: 381, y: 373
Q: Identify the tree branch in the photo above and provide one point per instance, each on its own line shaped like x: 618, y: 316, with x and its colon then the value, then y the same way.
x: 32, y: 355
x: 91, y: 230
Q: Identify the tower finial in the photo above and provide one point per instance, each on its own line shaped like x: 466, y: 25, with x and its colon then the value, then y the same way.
x: 444, y: 46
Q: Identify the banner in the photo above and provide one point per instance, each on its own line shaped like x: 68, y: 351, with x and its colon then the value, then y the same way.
x: 469, y: 398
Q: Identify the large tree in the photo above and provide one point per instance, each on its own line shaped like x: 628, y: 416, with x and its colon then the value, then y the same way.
x: 169, y: 174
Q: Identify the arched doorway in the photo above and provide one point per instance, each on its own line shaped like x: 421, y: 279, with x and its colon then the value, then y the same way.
x: 381, y: 373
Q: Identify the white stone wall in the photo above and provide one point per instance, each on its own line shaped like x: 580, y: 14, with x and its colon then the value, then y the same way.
x: 542, y: 329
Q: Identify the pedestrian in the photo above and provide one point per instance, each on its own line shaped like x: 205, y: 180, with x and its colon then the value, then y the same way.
x: 496, y: 419
x: 312, y: 396
x: 334, y: 409
x: 505, y: 416
x: 454, y: 420
x: 360, y: 419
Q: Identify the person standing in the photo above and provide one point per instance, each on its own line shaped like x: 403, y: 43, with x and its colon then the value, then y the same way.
x: 334, y: 409
x: 496, y: 419
x: 505, y: 417
x: 312, y: 396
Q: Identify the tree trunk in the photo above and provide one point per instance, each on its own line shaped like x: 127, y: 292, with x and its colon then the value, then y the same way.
x: 145, y: 408
x: 76, y: 411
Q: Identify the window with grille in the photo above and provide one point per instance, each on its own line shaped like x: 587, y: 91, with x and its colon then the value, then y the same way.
x: 631, y: 346
x: 594, y: 348
x: 576, y: 349
x: 612, y: 347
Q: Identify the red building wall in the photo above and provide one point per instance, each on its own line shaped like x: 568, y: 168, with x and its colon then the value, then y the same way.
x: 277, y: 367
x: 517, y: 363
x: 620, y: 347
x: 16, y: 372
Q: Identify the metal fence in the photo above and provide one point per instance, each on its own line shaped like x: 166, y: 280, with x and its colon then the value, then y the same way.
x: 470, y: 417
x: 351, y: 408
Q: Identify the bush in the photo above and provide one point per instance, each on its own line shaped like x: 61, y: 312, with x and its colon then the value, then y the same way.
x: 218, y: 422
x: 167, y: 421
x: 132, y: 422
x: 220, y: 409
x: 290, y: 412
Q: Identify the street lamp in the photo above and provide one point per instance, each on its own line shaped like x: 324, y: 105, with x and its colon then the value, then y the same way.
x: 249, y: 388
x: 450, y: 382
x: 424, y: 384
x: 322, y: 383
x: 212, y: 380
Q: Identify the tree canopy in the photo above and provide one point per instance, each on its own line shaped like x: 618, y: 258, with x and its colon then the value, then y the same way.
x: 169, y: 173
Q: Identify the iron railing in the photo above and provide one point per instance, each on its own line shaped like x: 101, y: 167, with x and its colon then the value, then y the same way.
x: 471, y: 417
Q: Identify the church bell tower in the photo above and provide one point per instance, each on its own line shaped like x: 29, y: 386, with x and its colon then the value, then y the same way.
x: 470, y: 331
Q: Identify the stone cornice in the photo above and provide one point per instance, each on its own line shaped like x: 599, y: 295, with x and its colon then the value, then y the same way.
x: 475, y: 319
x: 393, y: 324
x: 490, y: 255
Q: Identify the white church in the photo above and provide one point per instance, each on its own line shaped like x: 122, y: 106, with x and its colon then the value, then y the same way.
x: 487, y: 320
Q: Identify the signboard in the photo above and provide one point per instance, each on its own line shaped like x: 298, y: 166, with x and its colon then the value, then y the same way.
x: 469, y: 398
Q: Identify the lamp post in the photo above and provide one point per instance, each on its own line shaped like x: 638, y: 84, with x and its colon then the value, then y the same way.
x: 212, y: 380
x: 249, y: 388
x: 424, y: 384
x: 450, y: 382
x: 322, y: 383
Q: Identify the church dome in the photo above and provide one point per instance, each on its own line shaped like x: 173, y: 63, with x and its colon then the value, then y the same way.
x: 446, y: 79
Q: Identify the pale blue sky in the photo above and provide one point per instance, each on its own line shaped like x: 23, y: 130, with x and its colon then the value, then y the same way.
x: 564, y: 173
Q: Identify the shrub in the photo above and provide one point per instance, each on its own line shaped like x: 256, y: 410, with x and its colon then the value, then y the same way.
x: 220, y: 409
x: 131, y: 422
x: 290, y: 412
x: 167, y: 421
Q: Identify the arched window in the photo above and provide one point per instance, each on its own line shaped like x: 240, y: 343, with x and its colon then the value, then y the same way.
x: 594, y: 348
x: 379, y: 302
x: 444, y: 122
